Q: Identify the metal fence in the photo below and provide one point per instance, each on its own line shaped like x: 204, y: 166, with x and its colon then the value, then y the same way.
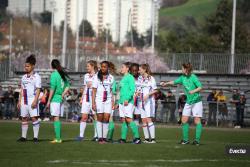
x: 171, y: 62
x: 162, y: 62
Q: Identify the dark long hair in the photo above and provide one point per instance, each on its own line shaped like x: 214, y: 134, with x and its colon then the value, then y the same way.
x: 57, y: 65
x: 100, y: 74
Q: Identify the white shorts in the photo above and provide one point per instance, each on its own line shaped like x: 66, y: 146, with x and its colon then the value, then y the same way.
x: 126, y: 111
x: 137, y: 111
x: 196, y: 109
x: 56, y: 109
x: 86, y: 107
x: 149, y: 109
x: 27, y: 111
x: 103, y: 107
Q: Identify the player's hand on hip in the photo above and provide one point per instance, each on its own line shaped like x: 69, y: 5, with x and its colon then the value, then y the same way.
x: 34, y: 104
x: 19, y: 105
x: 145, y: 98
x: 48, y: 104
x: 125, y: 103
x: 94, y: 107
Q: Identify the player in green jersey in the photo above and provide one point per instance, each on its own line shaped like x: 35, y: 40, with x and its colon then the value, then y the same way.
x: 193, y: 106
x: 59, y: 85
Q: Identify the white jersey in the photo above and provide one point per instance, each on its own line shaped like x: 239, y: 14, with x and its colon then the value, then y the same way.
x: 103, y: 87
x: 88, y: 83
x: 146, y: 86
x: 29, y: 85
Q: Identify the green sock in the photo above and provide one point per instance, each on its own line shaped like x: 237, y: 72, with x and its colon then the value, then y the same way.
x: 185, y: 129
x: 57, y: 127
x: 124, y: 131
x: 111, y: 130
x: 134, y: 129
x: 198, y: 132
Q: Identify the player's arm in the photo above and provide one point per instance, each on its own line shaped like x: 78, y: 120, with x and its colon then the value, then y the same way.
x: 52, y: 89
x: 168, y: 83
x: 94, y: 89
x: 114, y: 89
x: 83, y: 92
x: 65, y: 91
x: 20, y: 98
x: 197, y: 84
x: 155, y: 90
x: 93, y: 98
x: 38, y: 86
x: 34, y: 103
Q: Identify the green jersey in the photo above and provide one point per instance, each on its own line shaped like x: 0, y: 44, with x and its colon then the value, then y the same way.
x: 190, y: 83
x: 58, y: 86
x: 127, y: 89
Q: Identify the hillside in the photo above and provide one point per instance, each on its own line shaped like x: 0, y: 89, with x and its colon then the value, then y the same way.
x: 195, y: 8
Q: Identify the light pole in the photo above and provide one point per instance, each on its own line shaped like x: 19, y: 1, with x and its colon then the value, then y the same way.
x: 64, y: 35
x: 77, y: 36
x: 107, y: 40
x: 232, y: 64
x: 10, y: 45
x: 153, y: 25
x: 53, y: 4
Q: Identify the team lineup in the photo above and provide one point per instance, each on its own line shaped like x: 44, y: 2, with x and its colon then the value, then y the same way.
x: 133, y: 96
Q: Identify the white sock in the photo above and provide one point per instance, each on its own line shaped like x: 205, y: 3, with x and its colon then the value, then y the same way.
x: 151, y: 128
x: 95, y: 135
x: 137, y: 122
x: 99, y: 129
x: 82, y: 128
x: 25, y: 126
x: 36, y: 126
x: 145, y: 131
x: 105, y: 129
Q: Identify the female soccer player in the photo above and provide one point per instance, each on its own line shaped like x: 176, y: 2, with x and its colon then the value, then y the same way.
x: 192, y: 88
x: 147, y: 102
x: 59, y: 86
x: 28, y: 101
x: 87, y: 97
x: 102, y: 102
x: 135, y: 72
x: 112, y: 70
x: 126, y: 104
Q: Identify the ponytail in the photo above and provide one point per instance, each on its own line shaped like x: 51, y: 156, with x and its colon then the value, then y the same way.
x: 57, y: 65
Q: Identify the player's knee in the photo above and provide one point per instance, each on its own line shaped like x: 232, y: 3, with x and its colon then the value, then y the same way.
x: 184, y: 120
x: 197, y: 120
x: 24, y: 119
x: 34, y: 119
x: 84, y: 118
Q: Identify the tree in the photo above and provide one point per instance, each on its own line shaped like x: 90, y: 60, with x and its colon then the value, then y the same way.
x: 88, y: 29
x: 138, y: 39
x: 45, y: 17
x: 219, y: 26
x: 103, y: 35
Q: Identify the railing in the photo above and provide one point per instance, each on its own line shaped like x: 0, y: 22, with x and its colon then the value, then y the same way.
x: 207, y: 62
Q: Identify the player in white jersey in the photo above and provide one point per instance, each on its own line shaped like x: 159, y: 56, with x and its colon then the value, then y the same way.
x: 135, y: 72
x: 28, y: 99
x: 86, y: 99
x: 102, y: 100
x: 147, y: 102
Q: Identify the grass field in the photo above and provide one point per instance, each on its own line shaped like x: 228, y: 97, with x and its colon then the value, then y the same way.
x: 196, y: 8
x: 165, y: 153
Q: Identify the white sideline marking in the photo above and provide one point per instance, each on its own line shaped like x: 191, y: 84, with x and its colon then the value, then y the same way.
x: 129, y: 162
